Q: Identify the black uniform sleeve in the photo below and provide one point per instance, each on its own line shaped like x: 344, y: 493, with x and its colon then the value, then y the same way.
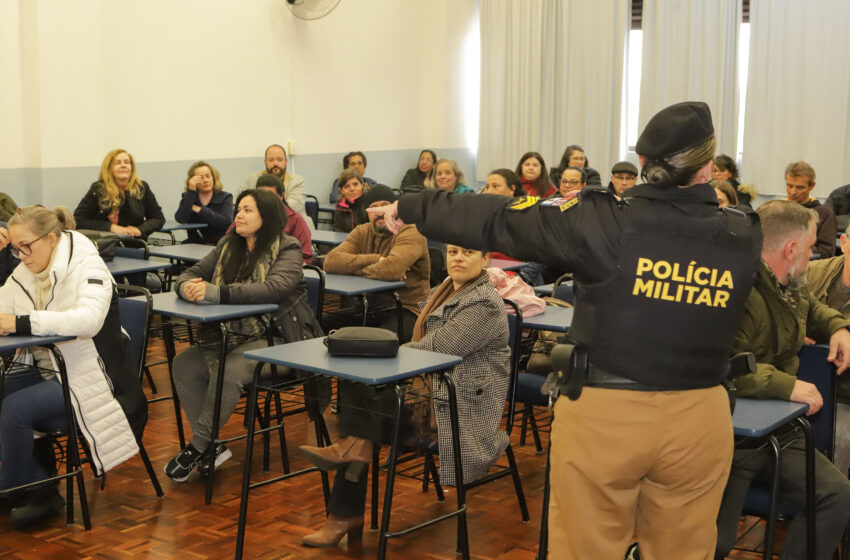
x: 88, y: 214
x: 519, y: 228
x: 154, y: 219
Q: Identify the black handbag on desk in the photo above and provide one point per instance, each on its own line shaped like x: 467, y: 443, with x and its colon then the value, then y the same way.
x: 106, y: 242
x: 362, y: 341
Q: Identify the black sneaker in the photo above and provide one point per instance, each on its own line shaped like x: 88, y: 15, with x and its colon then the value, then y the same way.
x: 37, y: 505
x: 633, y: 552
x: 181, y: 466
x: 222, y: 454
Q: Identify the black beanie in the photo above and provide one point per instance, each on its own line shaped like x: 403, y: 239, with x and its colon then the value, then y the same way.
x: 675, y: 129
x: 376, y: 193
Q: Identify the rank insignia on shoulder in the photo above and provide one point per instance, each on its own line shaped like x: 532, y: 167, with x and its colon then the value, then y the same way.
x: 524, y: 202
x: 561, y: 203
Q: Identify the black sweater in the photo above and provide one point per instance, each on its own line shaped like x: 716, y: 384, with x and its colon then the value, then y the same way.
x: 218, y: 215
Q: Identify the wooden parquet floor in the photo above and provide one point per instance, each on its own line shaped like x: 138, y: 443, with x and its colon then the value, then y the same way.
x: 130, y: 522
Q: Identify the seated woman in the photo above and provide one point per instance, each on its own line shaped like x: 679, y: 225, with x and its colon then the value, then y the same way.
x: 255, y: 263
x: 119, y: 201
x: 725, y: 193
x: 349, y: 212
x: 62, y: 288
x: 574, y: 157
x: 449, y: 177
x: 204, y: 202
x: 535, y: 178
x: 450, y: 322
x: 7, y: 207
x: 421, y: 176
x: 573, y: 179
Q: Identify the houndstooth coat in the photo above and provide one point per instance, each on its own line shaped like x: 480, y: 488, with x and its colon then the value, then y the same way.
x: 474, y: 326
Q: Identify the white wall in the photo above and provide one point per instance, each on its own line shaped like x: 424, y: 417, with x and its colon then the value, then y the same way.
x: 173, y: 82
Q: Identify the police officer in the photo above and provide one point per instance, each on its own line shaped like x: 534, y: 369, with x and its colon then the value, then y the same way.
x: 642, y: 443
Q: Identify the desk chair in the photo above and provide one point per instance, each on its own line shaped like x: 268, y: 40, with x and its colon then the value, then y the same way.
x: 816, y: 370
x: 314, y: 277
x: 563, y: 289
x: 431, y: 471
x: 73, y: 466
x: 311, y: 207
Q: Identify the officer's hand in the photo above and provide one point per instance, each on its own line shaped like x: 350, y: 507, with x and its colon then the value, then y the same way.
x: 807, y: 393
x: 839, y: 350
x: 390, y: 213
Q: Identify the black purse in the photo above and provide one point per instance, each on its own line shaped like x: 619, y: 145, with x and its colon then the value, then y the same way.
x: 362, y: 341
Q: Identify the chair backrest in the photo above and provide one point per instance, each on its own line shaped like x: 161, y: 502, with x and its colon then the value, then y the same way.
x: 514, y: 340
x: 437, y: 257
x: 311, y: 206
x: 132, y: 248
x: 816, y: 370
x: 315, y: 279
x: 135, y: 318
x: 564, y: 288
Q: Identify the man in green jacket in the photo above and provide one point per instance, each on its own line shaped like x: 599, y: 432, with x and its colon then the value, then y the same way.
x: 779, y: 314
x: 829, y: 279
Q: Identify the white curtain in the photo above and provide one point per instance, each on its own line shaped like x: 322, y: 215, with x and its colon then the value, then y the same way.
x: 551, y: 75
x: 690, y: 53
x: 798, y: 93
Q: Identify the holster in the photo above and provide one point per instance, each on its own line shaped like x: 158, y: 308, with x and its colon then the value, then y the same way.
x: 570, y: 365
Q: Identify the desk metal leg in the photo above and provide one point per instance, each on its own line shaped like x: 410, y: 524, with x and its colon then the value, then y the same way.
x: 73, y: 460
x: 246, y: 465
x: 543, y: 544
x: 770, y: 532
x: 168, y: 335
x: 810, y: 488
x: 210, y: 458
x: 462, y: 532
x: 388, y: 491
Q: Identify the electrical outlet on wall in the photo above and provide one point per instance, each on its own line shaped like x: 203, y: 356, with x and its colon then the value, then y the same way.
x: 290, y: 146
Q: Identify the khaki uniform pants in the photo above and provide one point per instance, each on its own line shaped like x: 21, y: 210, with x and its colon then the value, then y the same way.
x: 650, y: 464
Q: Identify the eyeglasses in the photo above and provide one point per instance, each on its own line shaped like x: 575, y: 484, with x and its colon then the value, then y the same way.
x: 571, y: 182
x: 24, y: 249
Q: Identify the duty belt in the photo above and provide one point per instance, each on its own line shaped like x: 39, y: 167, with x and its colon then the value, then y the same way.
x: 595, y: 377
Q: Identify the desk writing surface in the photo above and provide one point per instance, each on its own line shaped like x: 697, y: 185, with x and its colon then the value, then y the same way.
x: 351, y: 285
x: 328, y: 237
x: 757, y: 418
x: 171, y: 225
x: 169, y: 305
x: 311, y: 355
x: 544, y: 290
x: 187, y: 252
x: 556, y: 319
x: 15, y: 341
x: 123, y: 265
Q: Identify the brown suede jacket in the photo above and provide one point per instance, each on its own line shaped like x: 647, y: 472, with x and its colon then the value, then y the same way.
x: 405, y: 257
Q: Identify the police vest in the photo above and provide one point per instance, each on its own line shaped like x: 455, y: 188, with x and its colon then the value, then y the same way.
x: 668, y: 315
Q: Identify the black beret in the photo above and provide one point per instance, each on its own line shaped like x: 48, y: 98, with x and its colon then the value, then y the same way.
x: 675, y: 129
x: 376, y: 193
x: 270, y: 180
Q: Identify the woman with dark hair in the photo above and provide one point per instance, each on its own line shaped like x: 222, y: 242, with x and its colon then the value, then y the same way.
x: 349, y: 211
x: 725, y: 169
x: 119, y: 201
x: 205, y: 202
x: 503, y: 182
x: 574, y: 157
x: 725, y: 193
x: 450, y: 322
x: 535, y: 179
x: 422, y: 175
x: 255, y: 263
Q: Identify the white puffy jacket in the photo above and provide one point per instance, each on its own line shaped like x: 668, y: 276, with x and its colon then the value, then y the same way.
x: 77, y: 305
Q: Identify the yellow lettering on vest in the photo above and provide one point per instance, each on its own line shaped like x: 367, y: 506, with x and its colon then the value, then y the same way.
x: 643, y: 287
x: 720, y: 298
x: 679, y: 293
x: 676, y: 277
x: 725, y: 280
x: 699, y: 276
x: 690, y: 271
x: 665, y: 295
x: 657, y: 291
x: 713, y: 276
x: 661, y: 270
x: 643, y: 265
x: 704, y: 297
x: 691, y: 291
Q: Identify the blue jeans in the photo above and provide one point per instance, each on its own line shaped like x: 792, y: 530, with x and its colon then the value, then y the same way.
x: 29, y: 403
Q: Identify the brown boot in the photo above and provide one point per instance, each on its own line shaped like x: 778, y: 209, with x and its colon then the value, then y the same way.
x: 350, y: 452
x: 333, y: 530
